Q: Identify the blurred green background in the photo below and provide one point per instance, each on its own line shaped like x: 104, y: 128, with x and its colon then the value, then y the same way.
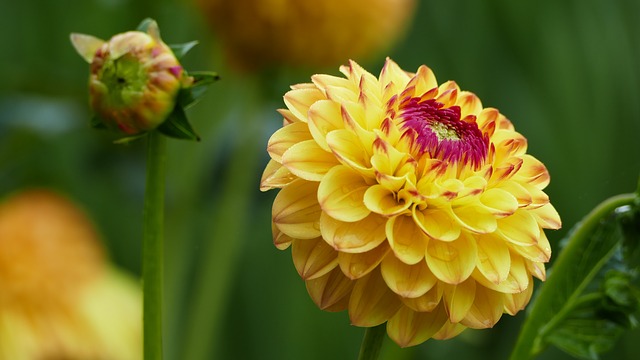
x: 565, y: 72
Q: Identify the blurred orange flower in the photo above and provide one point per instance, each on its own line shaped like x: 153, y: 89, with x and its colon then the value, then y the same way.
x: 406, y: 201
x: 259, y: 33
x: 59, y: 298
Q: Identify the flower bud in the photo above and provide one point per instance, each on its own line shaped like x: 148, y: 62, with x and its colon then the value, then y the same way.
x: 135, y: 79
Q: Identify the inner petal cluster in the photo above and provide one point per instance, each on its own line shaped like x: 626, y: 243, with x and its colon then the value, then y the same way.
x: 439, y: 132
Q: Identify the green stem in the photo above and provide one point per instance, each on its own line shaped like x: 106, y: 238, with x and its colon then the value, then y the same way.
x: 528, y: 343
x: 152, y: 252
x: 372, y: 342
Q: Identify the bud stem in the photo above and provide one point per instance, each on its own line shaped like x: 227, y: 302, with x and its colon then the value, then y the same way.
x: 152, y: 256
x: 372, y: 342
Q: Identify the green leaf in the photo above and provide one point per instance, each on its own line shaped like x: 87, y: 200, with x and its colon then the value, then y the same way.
x: 178, y: 126
x: 201, y: 81
x: 589, y: 298
x: 128, y: 139
x: 180, y: 50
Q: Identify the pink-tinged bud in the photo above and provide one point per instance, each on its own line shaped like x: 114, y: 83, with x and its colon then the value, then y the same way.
x: 135, y: 79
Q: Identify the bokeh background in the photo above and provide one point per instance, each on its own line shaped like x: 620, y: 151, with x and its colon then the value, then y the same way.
x: 565, y: 72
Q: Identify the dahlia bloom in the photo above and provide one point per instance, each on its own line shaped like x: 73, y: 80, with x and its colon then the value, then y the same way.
x: 407, y: 202
x: 261, y: 33
x: 59, y: 298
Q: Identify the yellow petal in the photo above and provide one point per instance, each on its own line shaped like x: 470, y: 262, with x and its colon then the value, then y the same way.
x: 326, y: 291
x: 308, y: 161
x: 423, y: 81
x: 517, y: 280
x: 410, y: 328
x: 538, y: 197
x: 383, y: 201
x: 500, y: 202
x: 354, y: 71
x: 469, y: 104
x: 449, y: 330
x: 391, y: 72
x: 533, y: 172
x: 371, y: 302
x: 357, y: 265
x: 473, y: 185
x: 296, y: 211
x: 324, y: 117
x: 486, y: 310
x: 275, y: 176
x: 428, y: 301
x: 353, y: 237
x: 437, y: 223
x: 518, y: 191
x: 510, y: 146
x: 458, y: 299
x: 280, y: 240
x: 474, y: 218
x: 406, y: 239
x: 452, y: 262
x: 289, y: 117
x: 354, y: 116
x: 341, y: 94
x: 313, y: 258
x: 447, y: 98
x: 504, y: 171
x: 300, y: 100
x: 536, y: 269
x: 518, y: 301
x: 494, y: 260
x: 341, y: 194
x: 521, y: 228
x: 349, y: 149
x: 540, y: 252
x: 409, y: 281
x: 547, y: 217
x: 323, y: 81
x: 86, y: 45
x: 487, y: 116
x: 286, y: 137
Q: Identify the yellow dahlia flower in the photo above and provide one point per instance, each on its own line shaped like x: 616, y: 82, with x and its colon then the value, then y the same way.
x: 258, y: 33
x: 58, y: 297
x: 407, y: 202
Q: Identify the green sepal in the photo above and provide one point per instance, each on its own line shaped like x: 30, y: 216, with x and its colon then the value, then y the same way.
x: 128, y: 139
x: 180, y: 50
x: 144, y: 24
x: 201, y: 81
x: 177, y: 126
x: 97, y: 123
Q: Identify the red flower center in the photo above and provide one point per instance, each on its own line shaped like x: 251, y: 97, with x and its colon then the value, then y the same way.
x: 441, y: 133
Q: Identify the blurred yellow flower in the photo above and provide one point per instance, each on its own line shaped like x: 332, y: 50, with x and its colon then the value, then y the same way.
x: 59, y: 299
x: 407, y: 202
x: 259, y: 33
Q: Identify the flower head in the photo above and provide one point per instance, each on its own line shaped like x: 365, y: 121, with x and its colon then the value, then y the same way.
x: 406, y: 201
x: 259, y: 33
x: 58, y: 296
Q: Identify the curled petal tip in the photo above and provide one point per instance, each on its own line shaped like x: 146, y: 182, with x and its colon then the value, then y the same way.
x: 153, y: 30
x: 86, y: 45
